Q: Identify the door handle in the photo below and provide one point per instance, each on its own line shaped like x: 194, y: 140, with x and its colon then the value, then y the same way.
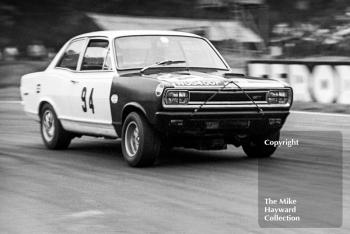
x: 74, y: 81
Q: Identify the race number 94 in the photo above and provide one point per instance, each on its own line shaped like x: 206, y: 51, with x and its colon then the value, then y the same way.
x: 91, y: 100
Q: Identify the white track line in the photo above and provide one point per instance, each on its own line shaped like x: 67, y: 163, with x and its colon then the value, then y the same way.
x: 320, y: 113
x: 10, y: 102
x: 293, y: 112
x: 86, y: 214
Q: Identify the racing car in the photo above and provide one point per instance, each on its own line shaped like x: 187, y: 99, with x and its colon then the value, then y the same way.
x: 155, y: 90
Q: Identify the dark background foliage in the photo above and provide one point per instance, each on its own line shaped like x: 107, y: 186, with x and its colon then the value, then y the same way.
x: 52, y: 22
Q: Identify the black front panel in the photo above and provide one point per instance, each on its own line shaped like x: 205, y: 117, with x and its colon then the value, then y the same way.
x: 227, y: 96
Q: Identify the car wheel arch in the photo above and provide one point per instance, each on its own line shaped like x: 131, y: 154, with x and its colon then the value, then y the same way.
x: 42, y: 104
x: 133, y: 107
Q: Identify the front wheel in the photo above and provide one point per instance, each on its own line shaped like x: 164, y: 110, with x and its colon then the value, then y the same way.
x: 256, y: 147
x: 140, y: 143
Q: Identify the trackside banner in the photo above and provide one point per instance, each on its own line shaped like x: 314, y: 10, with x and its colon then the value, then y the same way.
x: 323, y: 82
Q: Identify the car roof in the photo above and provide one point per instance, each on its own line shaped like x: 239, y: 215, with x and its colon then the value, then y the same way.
x: 123, y: 33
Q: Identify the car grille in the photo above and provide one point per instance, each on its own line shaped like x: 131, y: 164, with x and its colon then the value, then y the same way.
x: 227, y: 97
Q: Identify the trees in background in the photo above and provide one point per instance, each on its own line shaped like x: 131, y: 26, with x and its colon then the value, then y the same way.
x: 52, y: 22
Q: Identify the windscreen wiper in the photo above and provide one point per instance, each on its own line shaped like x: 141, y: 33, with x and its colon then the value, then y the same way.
x: 166, y: 62
x: 233, y: 74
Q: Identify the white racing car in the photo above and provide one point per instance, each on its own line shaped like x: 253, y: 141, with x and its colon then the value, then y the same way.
x: 154, y: 89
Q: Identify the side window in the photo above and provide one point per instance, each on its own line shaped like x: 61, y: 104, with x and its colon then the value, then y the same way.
x: 95, y: 55
x: 71, y: 55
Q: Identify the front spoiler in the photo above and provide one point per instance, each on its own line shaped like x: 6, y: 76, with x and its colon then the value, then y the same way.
x: 231, y: 123
x: 221, y: 114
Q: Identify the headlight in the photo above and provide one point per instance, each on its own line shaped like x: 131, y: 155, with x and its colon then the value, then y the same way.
x: 176, y: 97
x: 278, y: 97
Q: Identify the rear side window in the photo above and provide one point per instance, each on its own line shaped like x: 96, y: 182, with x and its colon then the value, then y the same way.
x: 95, y: 56
x: 71, y: 55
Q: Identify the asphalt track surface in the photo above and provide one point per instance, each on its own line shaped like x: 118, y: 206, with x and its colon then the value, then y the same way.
x: 89, y: 188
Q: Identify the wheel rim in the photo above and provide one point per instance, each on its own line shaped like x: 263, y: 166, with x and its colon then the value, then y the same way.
x: 132, y: 139
x: 48, y: 125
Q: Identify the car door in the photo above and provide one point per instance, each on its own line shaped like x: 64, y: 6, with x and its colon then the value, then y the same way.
x: 58, y: 79
x: 90, y: 90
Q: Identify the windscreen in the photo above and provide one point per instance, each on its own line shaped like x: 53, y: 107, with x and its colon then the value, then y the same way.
x: 135, y: 52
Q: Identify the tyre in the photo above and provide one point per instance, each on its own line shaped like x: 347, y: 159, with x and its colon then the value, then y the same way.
x: 256, y: 147
x: 52, y: 132
x: 140, y: 143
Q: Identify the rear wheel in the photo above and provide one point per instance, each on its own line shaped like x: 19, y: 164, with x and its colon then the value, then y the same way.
x: 52, y: 132
x: 256, y: 147
x: 140, y: 143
